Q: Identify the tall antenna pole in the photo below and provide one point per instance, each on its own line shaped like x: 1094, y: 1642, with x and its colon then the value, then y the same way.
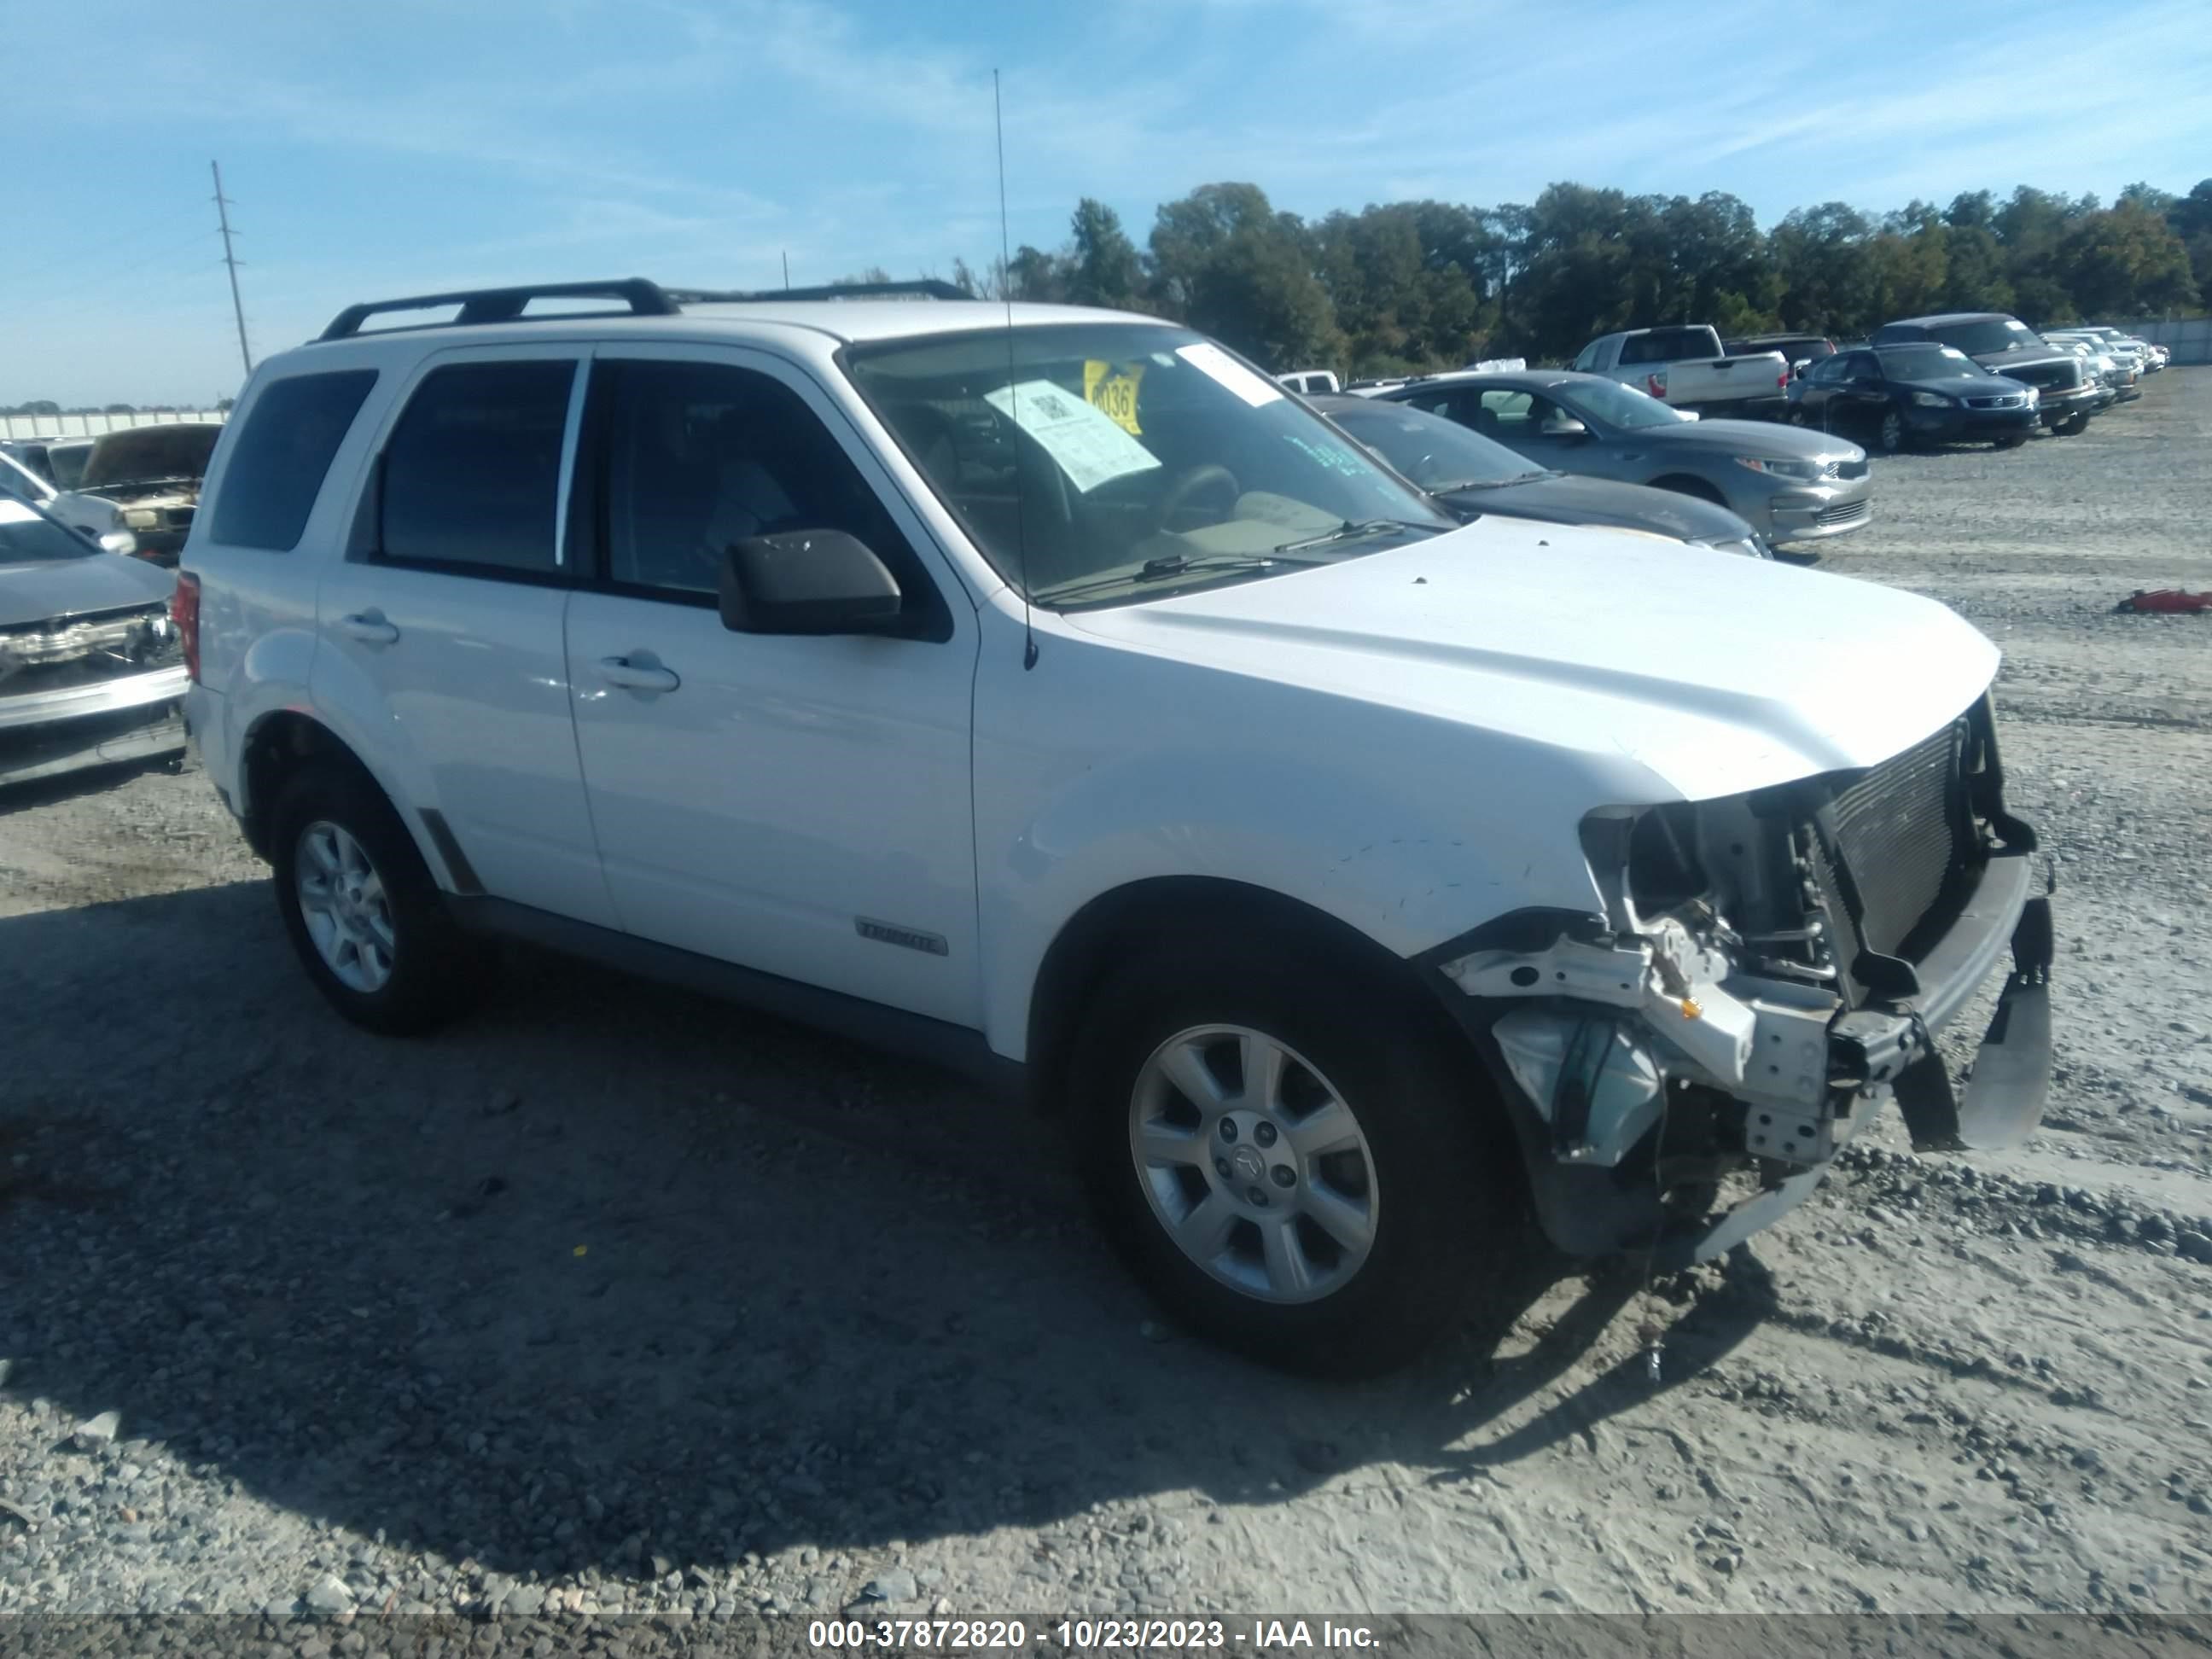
x: 787, y: 271
x: 222, y: 205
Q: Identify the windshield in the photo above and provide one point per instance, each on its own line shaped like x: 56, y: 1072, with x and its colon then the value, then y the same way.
x: 1927, y: 362
x: 28, y: 537
x: 1105, y: 462
x: 1436, y: 454
x: 1997, y: 334
x: 1614, y: 404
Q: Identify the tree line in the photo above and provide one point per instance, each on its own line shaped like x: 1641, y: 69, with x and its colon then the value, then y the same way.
x: 1414, y: 286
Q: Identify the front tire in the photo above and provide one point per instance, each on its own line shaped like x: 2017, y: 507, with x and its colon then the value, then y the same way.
x: 2012, y: 441
x: 1890, y: 435
x: 369, y: 922
x: 2073, y: 426
x: 1289, y: 1160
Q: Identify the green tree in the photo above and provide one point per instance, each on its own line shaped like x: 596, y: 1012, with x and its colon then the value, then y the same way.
x: 1103, y: 265
x: 1033, y: 274
x: 1226, y: 261
x: 2126, y: 262
x: 2189, y: 218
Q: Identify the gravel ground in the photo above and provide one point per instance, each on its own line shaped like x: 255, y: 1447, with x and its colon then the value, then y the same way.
x: 616, y: 1299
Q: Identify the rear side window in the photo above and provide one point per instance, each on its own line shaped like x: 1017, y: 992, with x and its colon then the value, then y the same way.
x: 471, y: 473
x: 280, y: 459
x: 1667, y: 345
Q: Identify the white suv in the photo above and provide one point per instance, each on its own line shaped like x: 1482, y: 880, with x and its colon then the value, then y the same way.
x: 1048, y: 693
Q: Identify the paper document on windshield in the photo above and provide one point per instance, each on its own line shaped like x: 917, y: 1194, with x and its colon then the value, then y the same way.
x: 1089, y: 445
x: 1211, y: 359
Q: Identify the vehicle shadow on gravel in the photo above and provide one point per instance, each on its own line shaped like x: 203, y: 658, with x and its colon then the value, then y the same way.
x: 609, y: 1272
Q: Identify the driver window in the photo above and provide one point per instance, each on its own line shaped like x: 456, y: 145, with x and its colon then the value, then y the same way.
x: 702, y: 455
x: 1861, y: 367
x: 1507, y: 416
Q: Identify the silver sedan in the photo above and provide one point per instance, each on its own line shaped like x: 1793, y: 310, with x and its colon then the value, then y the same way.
x: 1792, y: 485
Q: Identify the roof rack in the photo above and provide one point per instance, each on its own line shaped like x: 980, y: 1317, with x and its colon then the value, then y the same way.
x: 504, y: 305
x: 921, y: 288
x: 644, y: 299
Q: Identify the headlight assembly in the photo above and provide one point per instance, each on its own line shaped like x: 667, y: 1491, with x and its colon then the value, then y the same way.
x: 1808, y: 471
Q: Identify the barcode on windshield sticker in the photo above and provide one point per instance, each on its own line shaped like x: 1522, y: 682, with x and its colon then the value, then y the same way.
x: 1211, y: 360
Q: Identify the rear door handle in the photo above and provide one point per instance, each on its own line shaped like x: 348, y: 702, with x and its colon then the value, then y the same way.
x: 369, y: 626
x: 646, y: 675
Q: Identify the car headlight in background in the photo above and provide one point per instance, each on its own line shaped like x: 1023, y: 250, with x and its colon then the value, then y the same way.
x: 141, y: 518
x: 2035, y: 396
x: 1931, y: 400
x: 119, y: 541
x: 1809, y: 470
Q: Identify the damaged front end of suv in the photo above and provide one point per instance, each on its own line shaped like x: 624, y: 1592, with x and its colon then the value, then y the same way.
x: 1766, y: 974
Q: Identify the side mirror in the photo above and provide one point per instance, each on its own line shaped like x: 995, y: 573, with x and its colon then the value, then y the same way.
x: 1564, y: 426
x: 806, y: 581
x: 1797, y: 368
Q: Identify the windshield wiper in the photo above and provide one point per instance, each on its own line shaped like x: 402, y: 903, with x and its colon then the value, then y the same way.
x: 1352, y: 529
x: 1492, y: 484
x: 1174, y: 564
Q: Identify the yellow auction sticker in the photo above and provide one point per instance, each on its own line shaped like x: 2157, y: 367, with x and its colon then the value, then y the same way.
x: 1114, y: 392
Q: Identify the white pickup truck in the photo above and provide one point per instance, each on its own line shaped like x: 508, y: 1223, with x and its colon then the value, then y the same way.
x: 1687, y: 367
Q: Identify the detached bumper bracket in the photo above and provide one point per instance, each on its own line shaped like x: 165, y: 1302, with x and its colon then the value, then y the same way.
x: 2011, y: 1080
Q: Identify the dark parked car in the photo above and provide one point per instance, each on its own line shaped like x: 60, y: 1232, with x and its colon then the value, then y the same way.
x: 1471, y: 476
x: 1891, y: 397
x: 1802, y: 351
x: 2068, y: 389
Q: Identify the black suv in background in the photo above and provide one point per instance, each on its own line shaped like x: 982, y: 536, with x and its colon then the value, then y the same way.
x: 2067, y: 386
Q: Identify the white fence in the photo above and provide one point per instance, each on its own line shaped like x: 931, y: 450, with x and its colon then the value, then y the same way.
x: 86, y: 426
x: 2189, y: 337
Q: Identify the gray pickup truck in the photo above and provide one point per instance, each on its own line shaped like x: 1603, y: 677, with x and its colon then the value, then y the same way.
x: 1687, y: 367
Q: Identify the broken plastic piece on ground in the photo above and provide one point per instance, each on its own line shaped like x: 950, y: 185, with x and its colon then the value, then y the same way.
x: 2164, y: 599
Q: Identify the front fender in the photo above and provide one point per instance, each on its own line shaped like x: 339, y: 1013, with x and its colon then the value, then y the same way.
x: 1403, y: 862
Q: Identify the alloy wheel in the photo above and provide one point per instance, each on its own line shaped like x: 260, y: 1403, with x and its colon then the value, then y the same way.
x: 345, y: 908
x: 1254, y: 1163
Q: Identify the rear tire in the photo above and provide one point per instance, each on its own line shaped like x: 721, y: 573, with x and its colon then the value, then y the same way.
x: 1342, y: 1244
x: 370, y: 925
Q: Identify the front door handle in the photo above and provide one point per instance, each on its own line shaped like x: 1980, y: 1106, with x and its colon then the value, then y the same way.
x: 369, y: 626
x: 634, y: 676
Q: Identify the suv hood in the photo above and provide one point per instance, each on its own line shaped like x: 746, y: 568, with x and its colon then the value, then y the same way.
x: 2041, y: 352
x: 1714, y: 674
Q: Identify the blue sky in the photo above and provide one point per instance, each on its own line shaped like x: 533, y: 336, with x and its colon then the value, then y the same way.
x: 420, y: 144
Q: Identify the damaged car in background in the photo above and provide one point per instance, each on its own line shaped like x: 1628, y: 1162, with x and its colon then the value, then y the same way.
x: 92, y: 670
x: 153, y: 475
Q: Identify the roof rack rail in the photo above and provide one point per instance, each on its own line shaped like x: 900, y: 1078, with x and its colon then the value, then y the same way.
x: 921, y: 288
x: 505, y: 305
